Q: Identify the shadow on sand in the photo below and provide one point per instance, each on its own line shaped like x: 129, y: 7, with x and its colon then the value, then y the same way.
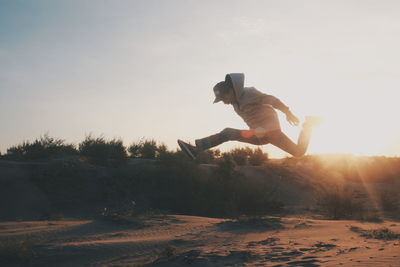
x: 251, y: 225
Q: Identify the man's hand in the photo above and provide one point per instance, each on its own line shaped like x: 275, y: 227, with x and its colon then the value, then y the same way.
x: 292, y: 119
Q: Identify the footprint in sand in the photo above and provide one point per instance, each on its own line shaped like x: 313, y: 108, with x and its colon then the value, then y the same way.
x: 309, y: 257
x: 269, y: 241
x: 308, y: 263
x: 321, y: 244
x: 292, y: 253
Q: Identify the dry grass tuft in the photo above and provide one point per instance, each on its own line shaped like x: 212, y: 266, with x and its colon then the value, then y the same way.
x: 380, y: 233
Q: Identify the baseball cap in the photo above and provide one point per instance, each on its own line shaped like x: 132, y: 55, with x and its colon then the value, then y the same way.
x: 220, y: 89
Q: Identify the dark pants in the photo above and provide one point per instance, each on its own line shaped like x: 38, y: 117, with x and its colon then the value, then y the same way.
x: 276, y: 138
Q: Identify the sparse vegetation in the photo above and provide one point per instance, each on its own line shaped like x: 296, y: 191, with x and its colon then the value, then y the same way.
x: 45, y: 147
x: 147, y: 149
x: 248, y: 156
x: 99, y: 150
x: 172, y: 182
x: 369, y: 216
x: 226, y: 166
x: 208, y: 156
x: 257, y: 157
x: 383, y: 233
x: 239, y: 155
x: 222, y: 192
x: 103, y: 152
x: 340, y: 203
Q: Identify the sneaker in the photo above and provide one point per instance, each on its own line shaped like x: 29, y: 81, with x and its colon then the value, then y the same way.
x: 312, y: 121
x: 189, y: 150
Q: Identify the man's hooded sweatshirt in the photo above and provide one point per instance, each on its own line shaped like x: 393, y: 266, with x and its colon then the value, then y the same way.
x: 256, y: 108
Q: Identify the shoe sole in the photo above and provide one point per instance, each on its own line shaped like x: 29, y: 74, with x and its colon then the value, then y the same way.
x: 185, y: 149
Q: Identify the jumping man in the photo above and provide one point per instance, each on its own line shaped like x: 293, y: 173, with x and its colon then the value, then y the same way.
x: 258, y: 111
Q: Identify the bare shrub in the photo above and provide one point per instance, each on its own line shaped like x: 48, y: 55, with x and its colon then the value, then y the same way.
x: 339, y: 203
x: 380, y: 233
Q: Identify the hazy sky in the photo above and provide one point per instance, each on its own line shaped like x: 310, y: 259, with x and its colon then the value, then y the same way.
x: 134, y: 69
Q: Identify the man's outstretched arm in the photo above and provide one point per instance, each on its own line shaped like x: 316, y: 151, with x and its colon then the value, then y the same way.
x: 277, y: 104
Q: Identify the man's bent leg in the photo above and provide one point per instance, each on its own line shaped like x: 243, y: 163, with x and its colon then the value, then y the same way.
x: 279, y: 139
x: 304, y: 139
x: 228, y: 134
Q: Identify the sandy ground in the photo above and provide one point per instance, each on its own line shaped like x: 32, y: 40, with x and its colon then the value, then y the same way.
x: 176, y: 240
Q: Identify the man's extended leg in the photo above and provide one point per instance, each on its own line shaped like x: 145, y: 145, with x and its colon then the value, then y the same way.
x: 229, y: 134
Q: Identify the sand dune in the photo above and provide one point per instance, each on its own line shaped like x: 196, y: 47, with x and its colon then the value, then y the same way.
x: 297, y: 237
x: 177, y: 240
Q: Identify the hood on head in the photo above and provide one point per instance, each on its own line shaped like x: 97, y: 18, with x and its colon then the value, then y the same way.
x: 237, y: 81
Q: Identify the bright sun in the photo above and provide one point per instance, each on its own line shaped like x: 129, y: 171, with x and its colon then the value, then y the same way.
x: 354, y: 123
x: 366, y: 132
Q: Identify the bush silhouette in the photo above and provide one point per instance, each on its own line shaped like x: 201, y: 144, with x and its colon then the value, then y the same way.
x: 208, y: 156
x: 171, y: 183
x: 257, y: 157
x: 226, y: 166
x: 147, y: 149
x: 240, y: 155
x: 187, y: 188
x: 44, y: 147
x: 104, y: 152
x: 248, y: 156
x: 339, y: 203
